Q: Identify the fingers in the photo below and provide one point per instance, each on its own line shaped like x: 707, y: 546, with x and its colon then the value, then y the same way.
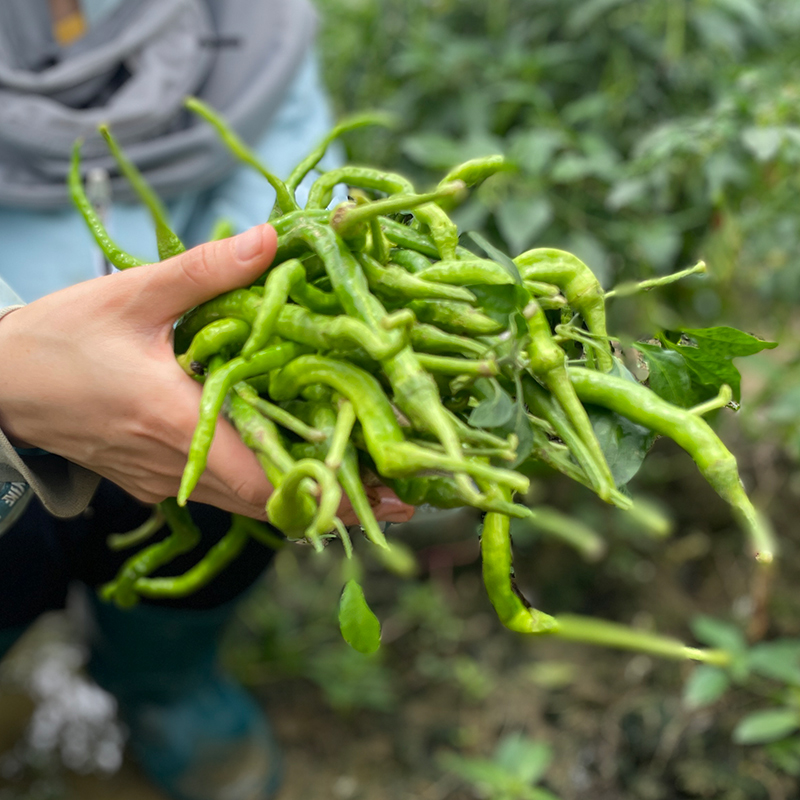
x: 387, y: 506
x: 233, y: 465
x: 174, y: 286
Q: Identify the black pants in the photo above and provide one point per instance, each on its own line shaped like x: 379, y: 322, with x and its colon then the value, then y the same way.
x: 41, y: 555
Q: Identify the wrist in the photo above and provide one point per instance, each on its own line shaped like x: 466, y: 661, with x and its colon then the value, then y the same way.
x: 10, y: 348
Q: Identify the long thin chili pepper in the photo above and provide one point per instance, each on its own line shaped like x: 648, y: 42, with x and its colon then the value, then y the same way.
x: 112, y: 251
x: 168, y: 242
x: 579, y: 285
x: 217, y: 558
x: 184, y: 536
x: 715, y: 462
x: 345, y: 126
x: 498, y: 578
x: 215, y: 390
x: 285, y: 198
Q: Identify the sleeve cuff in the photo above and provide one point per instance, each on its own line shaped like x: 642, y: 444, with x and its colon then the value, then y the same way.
x: 64, y: 488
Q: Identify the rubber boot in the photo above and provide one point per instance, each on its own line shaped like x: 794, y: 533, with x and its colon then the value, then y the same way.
x: 8, y: 636
x: 196, y: 733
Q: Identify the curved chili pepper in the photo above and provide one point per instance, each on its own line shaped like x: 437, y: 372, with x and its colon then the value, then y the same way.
x: 112, y: 251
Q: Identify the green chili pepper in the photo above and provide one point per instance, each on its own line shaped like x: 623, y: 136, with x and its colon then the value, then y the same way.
x: 477, y: 170
x: 511, y: 607
x: 387, y: 446
x: 222, y: 335
x: 148, y: 529
x: 321, y: 192
x: 278, y: 414
x: 410, y: 260
x: 214, y: 392
x: 396, y: 282
x: 217, y: 558
x: 169, y: 243
x: 183, y: 537
x: 348, y: 218
x: 466, y: 272
x: 409, y: 239
x: 345, y: 126
x: 458, y: 366
x: 283, y: 509
x: 276, y: 292
x: 548, y: 364
x: 579, y: 285
x: 455, y: 317
x: 430, y: 339
x: 716, y: 463
x: 323, y: 416
x: 285, y: 198
x: 115, y: 254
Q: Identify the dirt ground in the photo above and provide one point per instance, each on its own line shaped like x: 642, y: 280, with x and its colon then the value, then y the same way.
x: 451, y: 680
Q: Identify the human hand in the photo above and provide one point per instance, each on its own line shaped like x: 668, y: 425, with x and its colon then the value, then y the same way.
x: 90, y: 375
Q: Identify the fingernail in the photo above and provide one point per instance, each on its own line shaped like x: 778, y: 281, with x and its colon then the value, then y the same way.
x: 250, y: 243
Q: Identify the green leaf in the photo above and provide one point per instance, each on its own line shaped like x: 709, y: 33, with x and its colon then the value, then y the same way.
x: 501, y: 302
x: 763, y: 143
x: 722, y: 170
x: 725, y: 342
x: 766, y: 726
x: 496, y: 255
x: 710, y: 360
x: 779, y: 660
x: 533, y: 149
x: 705, y: 686
x: 491, y: 778
x: 786, y: 755
x: 659, y: 243
x: 587, y: 13
x: 716, y: 633
x: 359, y: 625
x: 524, y: 757
x: 496, y: 410
x: 477, y: 771
x: 520, y: 425
x: 624, y: 443
x: 669, y: 376
x: 521, y: 221
x: 626, y: 192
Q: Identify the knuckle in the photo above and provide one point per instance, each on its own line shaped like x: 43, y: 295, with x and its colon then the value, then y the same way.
x: 149, y: 496
x: 250, y: 492
x: 198, y: 264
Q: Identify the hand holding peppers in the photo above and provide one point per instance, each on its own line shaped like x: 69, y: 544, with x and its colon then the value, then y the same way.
x: 96, y: 381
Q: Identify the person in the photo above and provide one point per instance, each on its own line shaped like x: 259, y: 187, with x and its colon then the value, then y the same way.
x: 95, y: 414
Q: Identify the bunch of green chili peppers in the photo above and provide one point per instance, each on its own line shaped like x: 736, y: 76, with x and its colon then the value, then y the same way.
x: 372, y: 344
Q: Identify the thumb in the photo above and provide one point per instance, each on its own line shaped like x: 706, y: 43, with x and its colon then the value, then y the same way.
x: 174, y: 286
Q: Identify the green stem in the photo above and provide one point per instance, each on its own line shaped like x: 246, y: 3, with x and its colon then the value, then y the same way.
x: 628, y: 289
x: 589, y: 630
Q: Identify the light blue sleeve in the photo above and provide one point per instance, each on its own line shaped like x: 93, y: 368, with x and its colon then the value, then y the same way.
x: 45, y: 251
x: 8, y: 297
